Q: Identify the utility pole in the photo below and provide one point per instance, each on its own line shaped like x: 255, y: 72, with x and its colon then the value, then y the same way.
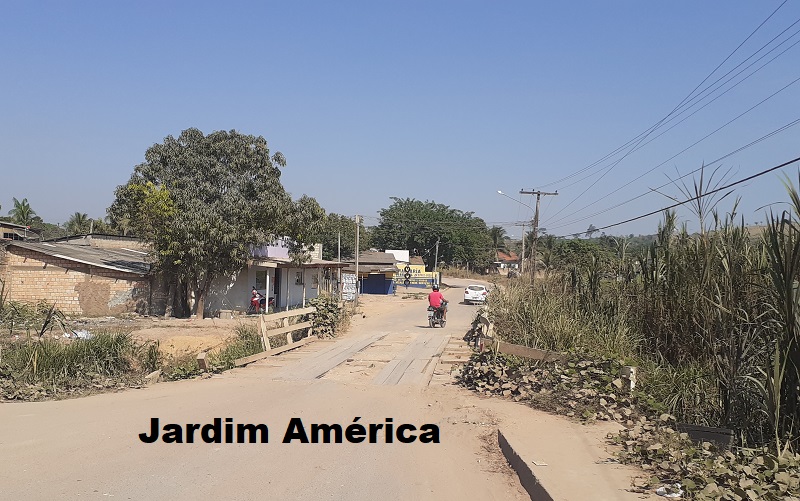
x: 522, y: 261
x: 358, y: 226
x: 339, y: 268
x: 436, y: 258
x: 538, y: 194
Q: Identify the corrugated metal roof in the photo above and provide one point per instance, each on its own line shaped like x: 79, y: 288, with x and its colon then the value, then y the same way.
x: 314, y: 263
x: 376, y: 258
x: 124, y: 260
x: 371, y: 268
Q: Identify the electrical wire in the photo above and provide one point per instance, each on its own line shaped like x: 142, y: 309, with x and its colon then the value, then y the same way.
x: 637, y: 147
x: 697, y: 197
x: 647, y: 131
x: 682, y: 151
x: 706, y: 104
x: 705, y: 165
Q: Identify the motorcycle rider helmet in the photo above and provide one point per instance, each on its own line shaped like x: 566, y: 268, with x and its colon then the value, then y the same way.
x: 435, y: 288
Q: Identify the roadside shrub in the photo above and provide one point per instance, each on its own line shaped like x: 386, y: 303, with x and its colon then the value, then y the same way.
x: 326, y: 319
x: 20, y: 316
x: 54, y: 361
x: 247, y: 342
x: 39, y: 368
x: 181, y: 366
x: 550, y: 319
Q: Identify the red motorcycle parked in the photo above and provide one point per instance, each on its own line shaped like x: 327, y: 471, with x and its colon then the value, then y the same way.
x: 259, y: 303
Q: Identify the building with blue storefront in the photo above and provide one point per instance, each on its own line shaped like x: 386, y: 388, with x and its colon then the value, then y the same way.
x: 376, y: 272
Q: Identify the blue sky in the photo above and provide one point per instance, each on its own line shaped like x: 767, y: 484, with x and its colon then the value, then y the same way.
x: 446, y: 101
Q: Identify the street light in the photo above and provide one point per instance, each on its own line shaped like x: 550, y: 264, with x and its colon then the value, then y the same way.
x: 522, y: 261
x: 514, y: 199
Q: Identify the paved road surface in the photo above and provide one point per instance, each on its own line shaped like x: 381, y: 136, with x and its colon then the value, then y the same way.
x: 391, y: 365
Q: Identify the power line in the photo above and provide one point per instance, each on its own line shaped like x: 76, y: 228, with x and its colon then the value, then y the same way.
x: 680, y: 152
x: 693, y: 113
x: 689, y: 100
x: 611, y: 167
x: 730, y: 185
x: 653, y: 127
x: 762, y: 138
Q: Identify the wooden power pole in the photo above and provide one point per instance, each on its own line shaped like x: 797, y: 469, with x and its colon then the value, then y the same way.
x: 358, y: 227
x: 538, y: 194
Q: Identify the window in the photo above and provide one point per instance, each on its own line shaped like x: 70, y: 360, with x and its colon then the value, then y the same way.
x: 298, y: 278
x: 261, y: 280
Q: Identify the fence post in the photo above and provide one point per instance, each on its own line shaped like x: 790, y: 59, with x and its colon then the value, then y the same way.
x: 262, y: 329
x: 202, y: 363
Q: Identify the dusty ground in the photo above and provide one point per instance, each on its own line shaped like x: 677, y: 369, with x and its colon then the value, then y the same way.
x: 90, y: 447
x: 191, y: 335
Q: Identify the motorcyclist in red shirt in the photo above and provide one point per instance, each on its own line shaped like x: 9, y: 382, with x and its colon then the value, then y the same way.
x: 437, y: 300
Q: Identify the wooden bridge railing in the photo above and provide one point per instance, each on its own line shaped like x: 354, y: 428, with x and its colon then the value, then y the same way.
x: 265, y: 334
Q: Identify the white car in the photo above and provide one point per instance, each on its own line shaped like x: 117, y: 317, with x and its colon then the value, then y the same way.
x: 475, y: 294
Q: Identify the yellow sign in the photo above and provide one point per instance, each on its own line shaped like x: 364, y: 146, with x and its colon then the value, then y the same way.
x: 417, y: 271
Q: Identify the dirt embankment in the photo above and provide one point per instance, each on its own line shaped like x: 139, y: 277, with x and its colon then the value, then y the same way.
x: 174, y: 335
x: 191, y: 335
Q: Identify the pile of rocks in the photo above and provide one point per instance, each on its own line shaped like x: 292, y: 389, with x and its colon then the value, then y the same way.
x: 588, y: 389
x: 14, y: 390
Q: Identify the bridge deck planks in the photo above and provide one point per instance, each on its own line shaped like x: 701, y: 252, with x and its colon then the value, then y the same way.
x: 316, y: 365
x: 410, y: 366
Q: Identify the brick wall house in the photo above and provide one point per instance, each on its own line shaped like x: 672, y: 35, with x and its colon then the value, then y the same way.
x: 80, y: 280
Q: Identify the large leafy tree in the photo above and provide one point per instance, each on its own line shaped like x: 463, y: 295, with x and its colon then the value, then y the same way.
x: 336, y: 228
x: 22, y: 213
x: 202, y: 202
x: 416, y: 226
x: 303, y: 222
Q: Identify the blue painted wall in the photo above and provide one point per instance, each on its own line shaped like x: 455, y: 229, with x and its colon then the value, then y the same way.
x: 377, y: 284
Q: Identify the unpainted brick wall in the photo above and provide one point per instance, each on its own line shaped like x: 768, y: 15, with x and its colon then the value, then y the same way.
x: 108, y: 242
x: 75, y: 288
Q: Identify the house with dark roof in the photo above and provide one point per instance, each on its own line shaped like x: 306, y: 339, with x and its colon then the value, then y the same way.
x: 106, y: 275
x: 79, y: 279
x: 12, y: 231
x: 376, y: 272
x: 417, y: 260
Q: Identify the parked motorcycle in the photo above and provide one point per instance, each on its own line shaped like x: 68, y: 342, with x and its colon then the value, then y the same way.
x: 436, y: 316
x: 259, y: 304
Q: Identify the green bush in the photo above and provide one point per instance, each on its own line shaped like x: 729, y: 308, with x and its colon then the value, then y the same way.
x: 247, y: 342
x: 326, y: 319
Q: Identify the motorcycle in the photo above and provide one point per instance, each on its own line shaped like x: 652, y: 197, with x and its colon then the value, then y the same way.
x: 263, y: 305
x: 436, y: 316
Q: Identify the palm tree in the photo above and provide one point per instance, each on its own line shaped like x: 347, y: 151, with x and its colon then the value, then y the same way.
x: 22, y: 213
x: 78, y: 223
x: 101, y: 225
x: 497, y: 234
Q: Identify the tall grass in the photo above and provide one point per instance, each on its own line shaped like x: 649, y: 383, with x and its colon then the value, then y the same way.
x: 247, y: 342
x: 55, y: 362
x: 551, y: 319
x: 713, y: 319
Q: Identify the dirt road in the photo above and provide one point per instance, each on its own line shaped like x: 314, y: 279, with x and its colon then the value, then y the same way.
x: 386, y: 367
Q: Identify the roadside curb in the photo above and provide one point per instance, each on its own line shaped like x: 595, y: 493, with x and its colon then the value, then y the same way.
x: 527, y: 478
